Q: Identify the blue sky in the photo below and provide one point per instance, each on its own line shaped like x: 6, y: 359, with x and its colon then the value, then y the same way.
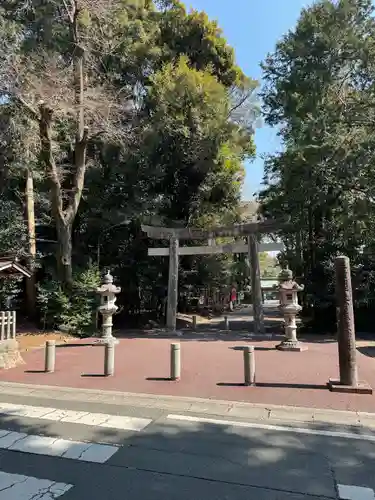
x: 253, y: 27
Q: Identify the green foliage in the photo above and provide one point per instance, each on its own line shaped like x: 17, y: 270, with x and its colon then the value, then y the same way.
x: 201, y: 39
x: 72, y: 312
x: 319, y: 91
x: 10, y: 288
x: 269, y: 266
x: 170, y: 118
x: 12, y: 229
x: 187, y: 137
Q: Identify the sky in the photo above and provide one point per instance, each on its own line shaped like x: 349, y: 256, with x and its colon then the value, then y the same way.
x: 252, y: 28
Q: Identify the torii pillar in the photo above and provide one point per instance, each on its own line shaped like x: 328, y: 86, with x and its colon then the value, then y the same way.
x: 172, y: 284
x: 256, y: 286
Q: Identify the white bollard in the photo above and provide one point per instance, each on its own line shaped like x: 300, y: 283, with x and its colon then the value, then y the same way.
x: 249, y: 365
x: 226, y: 323
x: 109, y: 358
x: 50, y: 356
x: 194, y: 322
x: 175, y: 361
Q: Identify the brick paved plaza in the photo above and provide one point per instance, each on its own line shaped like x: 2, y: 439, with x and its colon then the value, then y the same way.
x: 210, y: 369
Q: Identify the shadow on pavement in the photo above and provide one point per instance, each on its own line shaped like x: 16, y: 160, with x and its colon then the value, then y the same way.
x: 188, y: 460
x: 202, y: 334
x: 159, y: 379
x: 256, y: 348
x: 367, y: 350
x: 275, y: 384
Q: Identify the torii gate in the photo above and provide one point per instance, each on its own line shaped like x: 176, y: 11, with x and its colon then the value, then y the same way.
x: 174, y: 235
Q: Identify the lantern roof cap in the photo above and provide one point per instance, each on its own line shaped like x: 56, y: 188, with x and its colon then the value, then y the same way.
x: 108, y: 278
x: 107, y: 286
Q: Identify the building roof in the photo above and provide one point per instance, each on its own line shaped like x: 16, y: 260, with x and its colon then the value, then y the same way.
x: 11, y: 267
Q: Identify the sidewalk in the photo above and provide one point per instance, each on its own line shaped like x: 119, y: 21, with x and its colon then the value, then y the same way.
x: 211, y: 369
x: 147, y: 404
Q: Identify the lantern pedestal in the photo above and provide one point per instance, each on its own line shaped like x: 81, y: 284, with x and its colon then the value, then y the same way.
x: 290, y: 345
x: 361, y: 388
x: 107, y: 324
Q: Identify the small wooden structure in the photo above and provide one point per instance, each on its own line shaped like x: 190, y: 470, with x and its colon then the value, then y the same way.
x: 11, y: 267
x: 9, y: 353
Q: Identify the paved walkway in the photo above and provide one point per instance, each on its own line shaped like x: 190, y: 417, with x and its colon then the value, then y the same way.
x: 241, y: 319
x: 210, y: 369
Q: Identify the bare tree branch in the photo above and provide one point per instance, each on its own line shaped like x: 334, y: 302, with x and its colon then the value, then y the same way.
x: 45, y: 128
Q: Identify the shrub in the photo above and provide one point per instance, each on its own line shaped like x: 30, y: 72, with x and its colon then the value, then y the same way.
x: 10, y: 289
x: 73, y: 312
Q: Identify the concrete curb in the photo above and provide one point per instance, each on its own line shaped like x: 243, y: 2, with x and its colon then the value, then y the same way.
x: 227, y: 409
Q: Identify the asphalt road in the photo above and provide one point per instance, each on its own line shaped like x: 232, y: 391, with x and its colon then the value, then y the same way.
x: 150, y: 454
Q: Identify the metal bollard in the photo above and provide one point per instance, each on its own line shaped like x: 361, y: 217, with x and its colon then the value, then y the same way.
x: 175, y: 361
x: 249, y: 365
x: 109, y: 359
x: 50, y: 356
x: 194, y: 322
x: 226, y: 323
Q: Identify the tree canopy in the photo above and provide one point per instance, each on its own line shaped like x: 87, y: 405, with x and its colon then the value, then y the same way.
x: 115, y: 113
x: 319, y: 93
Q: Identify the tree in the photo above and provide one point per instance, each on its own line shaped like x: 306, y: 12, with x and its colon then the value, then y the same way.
x: 52, y: 54
x: 134, y: 111
x: 319, y: 92
x: 186, y: 164
x: 190, y: 141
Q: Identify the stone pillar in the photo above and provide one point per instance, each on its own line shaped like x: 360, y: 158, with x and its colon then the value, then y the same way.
x: 256, y: 289
x: 172, y: 284
x: 107, y: 325
x: 346, y: 333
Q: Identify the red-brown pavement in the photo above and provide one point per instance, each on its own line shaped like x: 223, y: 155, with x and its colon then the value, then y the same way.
x: 210, y: 369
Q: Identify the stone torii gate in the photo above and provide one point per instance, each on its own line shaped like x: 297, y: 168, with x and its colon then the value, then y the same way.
x: 174, y: 235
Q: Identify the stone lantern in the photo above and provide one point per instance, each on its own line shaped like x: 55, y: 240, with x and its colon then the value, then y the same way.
x: 107, y: 308
x: 289, y: 307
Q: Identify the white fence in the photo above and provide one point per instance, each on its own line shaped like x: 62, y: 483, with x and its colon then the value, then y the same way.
x: 7, y: 325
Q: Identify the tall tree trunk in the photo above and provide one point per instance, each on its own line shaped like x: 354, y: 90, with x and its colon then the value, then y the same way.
x: 64, y: 252
x: 311, y: 243
x: 63, y: 212
x: 30, y: 215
